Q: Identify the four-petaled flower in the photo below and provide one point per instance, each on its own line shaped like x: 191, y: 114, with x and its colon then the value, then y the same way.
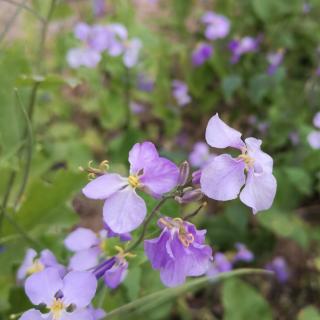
x: 224, y: 176
x: 65, y: 298
x: 178, y: 252
x: 124, y: 210
x: 217, y: 25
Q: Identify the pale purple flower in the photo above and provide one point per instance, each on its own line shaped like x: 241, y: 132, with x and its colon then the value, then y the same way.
x: 223, y: 178
x: 220, y: 264
x: 294, y: 138
x: 33, y: 263
x: 317, y: 72
x: 86, y: 57
x: 306, y: 7
x: 316, y: 120
x: 274, y: 59
x: 239, y: 47
x: 137, y: 108
x: 217, y: 26
x: 124, y: 210
x: 97, y: 314
x: 122, y: 236
x: 242, y: 254
x: 200, y: 155
x: 201, y: 53
x: 145, y: 82
x: 87, y: 247
x: 314, y: 139
x: 66, y: 298
x: 180, y: 93
x: 178, y: 252
x: 131, y: 52
x: 196, y: 177
x: 99, y: 7
x: 280, y: 267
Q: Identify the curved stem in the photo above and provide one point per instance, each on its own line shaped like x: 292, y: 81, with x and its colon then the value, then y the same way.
x: 192, y: 214
x: 148, y: 220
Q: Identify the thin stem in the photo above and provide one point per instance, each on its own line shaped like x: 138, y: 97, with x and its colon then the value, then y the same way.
x: 192, y: 214
x: 148, y: 220
x: 29, y: 150
x: 25, y: 7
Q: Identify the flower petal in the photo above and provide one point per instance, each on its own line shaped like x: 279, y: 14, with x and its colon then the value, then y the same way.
x: 262, y: 160
x: 223, y: 178
x: 198, y: 259
x: 85, y: 259
x: 259, y: 191
x: 82, y: 314
x: 32, y: 314
x: 79, y: 288
x: 42, y: 286
x: 160, y: 176
x: 314, y: 139
x: 124, y: 211
x: 81, y: 239
x: 114, y: 276
x: 26, y: 264
x: 142, y: 154
x: 220, y: 135
x: 104, y: 186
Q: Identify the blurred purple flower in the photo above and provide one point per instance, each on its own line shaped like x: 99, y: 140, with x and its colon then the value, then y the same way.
x: 178, y: 252
x: 314, y: 139
x: 31, y: 264
x: 136, y: 107
x: 123, y: 209
x: 238, y: 47
x: 66, y: 298
x: 243, y: 254
x: 180, y: 93
x: 306, y: 7
x: 99, y: 7
x: 145, y: 83
x: 275, y: 59
x: 131, y: 52
x: 223, y: 178
x: 220, y: 264
x: 217, y: 26
x: 200, y: 155
x: 316, y: 120
x: 279, y: 266
x: 96, y: 314
x: 201, y: 53
x: 294, y: 138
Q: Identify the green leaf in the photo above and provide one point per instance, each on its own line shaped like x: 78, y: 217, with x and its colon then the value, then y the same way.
x: 230, y: 84
x: 141, y: 305
x: 132, y: 283
x: 243, y: 302
x: 300, y: 179
x: 309, y: 313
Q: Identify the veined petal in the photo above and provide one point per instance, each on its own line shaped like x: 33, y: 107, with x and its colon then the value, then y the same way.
x: 198, y: 259
x: 82, y: 314
x: 79, y: 288
x: 259, y: 191
x: 223, y: 178
x: 42, y: 286
x: 160, y: 176
x: 85, y: 259
x: 220, y: 135
x: 142, y: 154
x: 114, y: 276
x: 262, y: 160
x: 104, y: 186
x: 81, y: 239
x: 32, y: 314
x: 124, y: 211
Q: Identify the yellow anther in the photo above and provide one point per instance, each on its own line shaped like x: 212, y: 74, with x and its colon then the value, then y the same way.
x: 104, y: 165
x: 122, y: 254
x: 186, y: 238
x: 37, y: 266
x: 56, y: 309
x: 249, y: 161
x: 133, y: 181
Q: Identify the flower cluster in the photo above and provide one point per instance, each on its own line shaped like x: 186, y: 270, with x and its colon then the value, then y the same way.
x: 178, y: 252
x: 111, y: 38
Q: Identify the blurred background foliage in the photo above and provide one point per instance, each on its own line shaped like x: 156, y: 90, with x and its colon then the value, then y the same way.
x: 79, y: 115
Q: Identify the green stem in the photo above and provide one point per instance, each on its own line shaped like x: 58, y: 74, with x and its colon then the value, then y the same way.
x: 146, y: 223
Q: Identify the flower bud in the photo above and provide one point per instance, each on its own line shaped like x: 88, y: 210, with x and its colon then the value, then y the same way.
x: 196, y: 177
x: 184, y: 173
x: 190, y: 196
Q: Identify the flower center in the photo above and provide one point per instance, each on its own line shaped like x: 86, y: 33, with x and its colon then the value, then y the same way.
x: 133, y: 181
x: 249, y: 161
x: 56, y: 309
x: 37, y: 266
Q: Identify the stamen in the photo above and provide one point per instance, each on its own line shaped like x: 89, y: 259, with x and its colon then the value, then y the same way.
x: 186, y: 239
x: 133, y: 181
x: 37, y: 266
x: 56, y: 309
x: 249, y: 161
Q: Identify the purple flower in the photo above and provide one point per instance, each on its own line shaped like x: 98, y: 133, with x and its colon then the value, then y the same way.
x: 220, y: 264
x: 178, y: 252
x: 31, y: 264
x: 123, y: 209
x: 224, y: 176
x: 275, y: 59
x: 78, y: 57
x: 145, y: 83
x: 196, y: 177
x: 279, y: 266
x: 316, y: 120
x: 122, y: 236
x: 200, y: 155
x: 131, y: 52
x: 66, y: 298
x: 294, y: 138
x: 180, y: 92
x: 238, y: 47
x: 137, y: 108
x: 243, y: 253
x: 96, y: 314
x: 217, y: 26
x: 201, y: 53
x: 99, y: 7
x: 87, y: 246
x: 314, y: 139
